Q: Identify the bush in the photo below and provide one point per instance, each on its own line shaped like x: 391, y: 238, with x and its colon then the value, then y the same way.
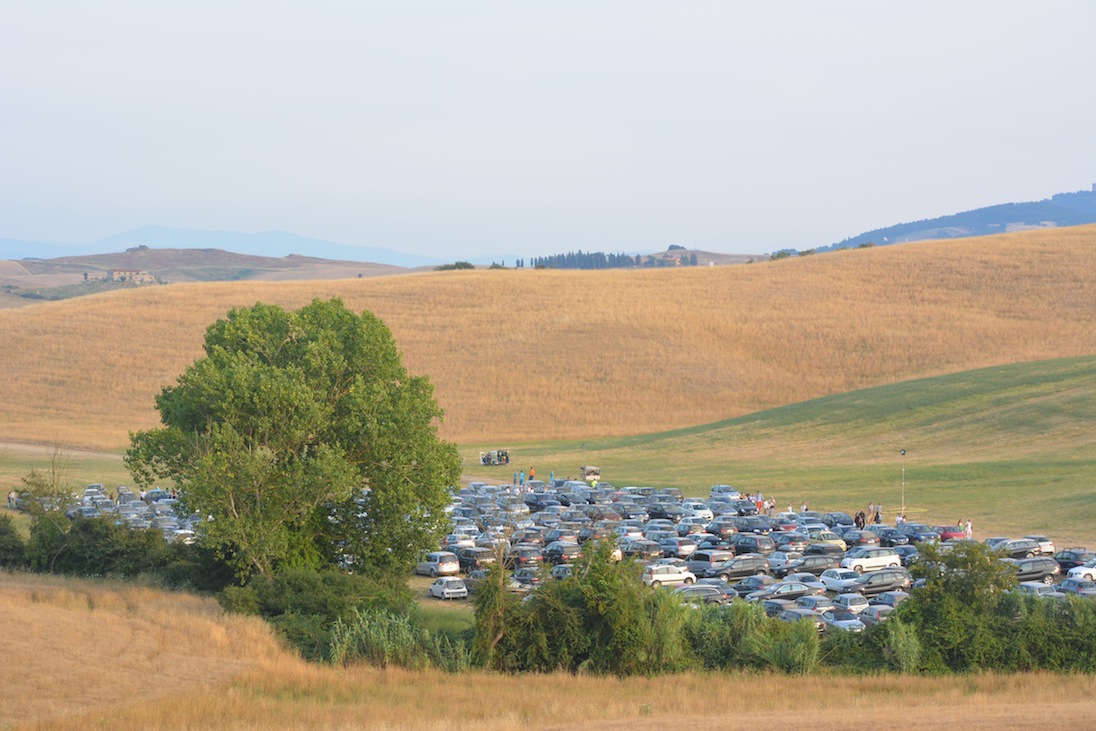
x: 601, y: 619
x: 12, y: 549
x: 383, y: 638
x: 305, y: 605
x: 94, y: 547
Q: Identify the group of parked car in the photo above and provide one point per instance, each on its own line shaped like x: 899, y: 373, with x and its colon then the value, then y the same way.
x: 155, y: 509
x: 803, y: 565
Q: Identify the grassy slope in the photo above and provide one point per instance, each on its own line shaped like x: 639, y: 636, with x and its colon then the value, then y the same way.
x: 1011, y: 447
x: 526, y: 355
x: 85, y: 654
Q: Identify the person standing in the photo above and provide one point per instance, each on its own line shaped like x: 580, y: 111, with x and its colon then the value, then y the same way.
x: 968, y: 529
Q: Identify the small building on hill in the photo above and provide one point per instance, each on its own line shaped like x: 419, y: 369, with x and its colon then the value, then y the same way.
x: 131, y: 275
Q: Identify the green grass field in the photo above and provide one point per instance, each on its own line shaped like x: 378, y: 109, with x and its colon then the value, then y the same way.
x: 1013, y: 448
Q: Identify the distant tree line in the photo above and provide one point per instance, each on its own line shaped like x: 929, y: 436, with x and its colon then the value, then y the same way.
x: 601, y: 260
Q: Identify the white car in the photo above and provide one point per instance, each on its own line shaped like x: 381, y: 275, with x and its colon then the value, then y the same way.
x: 449, y: 587
x: 667, y: 575
x: 870, y: 558
x: 1086, y: 571
x: 697, y: 509
x: 838, y: 580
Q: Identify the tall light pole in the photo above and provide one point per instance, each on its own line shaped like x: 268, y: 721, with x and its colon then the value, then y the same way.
x: 903, y: 453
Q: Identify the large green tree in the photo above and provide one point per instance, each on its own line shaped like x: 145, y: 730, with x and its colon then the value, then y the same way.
x: 301, y: 440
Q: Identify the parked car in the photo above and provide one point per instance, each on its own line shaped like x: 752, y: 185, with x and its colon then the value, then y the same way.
x: 474, y: 558
x: 1046, y: 546
x: 851, y: 602
x: 1017, y: 548
x: 950, y: 532
x: 705, y: 562
x: 838, y: 580
x: 890, y: 598
x: 558, y: 552
x: 779, y: 559
x: 877, y: 582
x: 438, y: 563
x: 678, y: 547
x: 808, y: 563
x: 827, y: 536
x: 1080, y: 587
x: 790, y: 590
x: 667, y: 575
x: 917, y: 532
x: 890, y: 537
x: 528, y: 577
x: 856, y: 537
x: 744, y: 507
x: 1041, y: 590
x: 642, y: 549
x: 1070, y: 557
x: 449, y: 587
x: 701, y: 594
x: 815, y: 602
x: 907, y: 554
x: 875, y: 614
x: 789, y: 541
x: 724, y: 588
x: 802, y: 614
x: 837, y: 518
x: 842, y: 619
x: 740, y: 567
x: 1037, y: 568
x: 753, y: 543
x: 524, y: 555
x: 751, y: 584
x: 870, y: 558
x: 758, y: 524
x: 1086, y: 571
x: 697, y: 509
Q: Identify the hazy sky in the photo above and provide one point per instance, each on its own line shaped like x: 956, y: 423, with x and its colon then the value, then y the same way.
x: 534, y: 128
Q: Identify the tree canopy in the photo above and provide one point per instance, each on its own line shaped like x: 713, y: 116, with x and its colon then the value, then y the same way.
x: 301, y: 440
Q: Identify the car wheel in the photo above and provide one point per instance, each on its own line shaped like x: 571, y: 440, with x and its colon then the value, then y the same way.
x: 761, y: 573
x: 433, y: 573
x: 1048, y: 579
x: 858, y: 569
x: 656, y: 584
x: 688, y: 581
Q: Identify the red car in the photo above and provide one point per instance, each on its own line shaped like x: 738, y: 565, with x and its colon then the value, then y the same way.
x: 949, y: 532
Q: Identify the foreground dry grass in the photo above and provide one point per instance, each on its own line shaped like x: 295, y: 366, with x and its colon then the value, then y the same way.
x: 523, y: 355
x: 79, y: 654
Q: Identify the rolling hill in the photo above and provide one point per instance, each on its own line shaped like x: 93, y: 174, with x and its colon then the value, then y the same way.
x: 1062, y: 209
x: 529, y: 355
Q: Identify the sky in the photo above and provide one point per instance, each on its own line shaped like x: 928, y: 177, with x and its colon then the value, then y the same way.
x: 435, y: 127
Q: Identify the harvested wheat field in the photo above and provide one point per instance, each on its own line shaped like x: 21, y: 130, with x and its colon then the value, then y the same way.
x: 523, y: 354
x: 80, y: 654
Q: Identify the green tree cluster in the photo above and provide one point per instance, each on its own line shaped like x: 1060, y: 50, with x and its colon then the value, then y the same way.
x: 302, y: 441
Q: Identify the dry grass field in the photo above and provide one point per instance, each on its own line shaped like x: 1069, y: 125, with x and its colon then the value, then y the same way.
x: 527, y: 355
x: 83, y: 654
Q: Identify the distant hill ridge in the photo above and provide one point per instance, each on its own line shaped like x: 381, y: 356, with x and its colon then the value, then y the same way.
x: 1062, y: 209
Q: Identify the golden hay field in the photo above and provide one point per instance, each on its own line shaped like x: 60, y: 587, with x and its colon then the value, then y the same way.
x: 521, y: 354
x: 81, y: 654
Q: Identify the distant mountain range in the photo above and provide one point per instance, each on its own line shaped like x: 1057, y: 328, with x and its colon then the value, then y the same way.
x: 265, y: 244
x: 1063, y: 209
